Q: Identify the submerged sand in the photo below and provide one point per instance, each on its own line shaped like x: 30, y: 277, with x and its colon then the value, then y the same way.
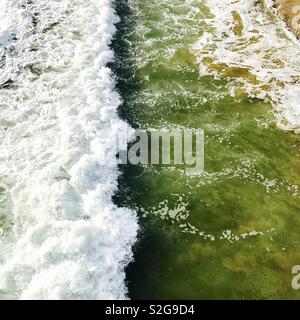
x: 290, y: 12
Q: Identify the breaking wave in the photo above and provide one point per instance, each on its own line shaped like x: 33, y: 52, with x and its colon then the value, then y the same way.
x: 61, y: 235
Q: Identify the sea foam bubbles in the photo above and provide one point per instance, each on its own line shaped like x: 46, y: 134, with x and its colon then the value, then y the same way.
x: 61, y: 235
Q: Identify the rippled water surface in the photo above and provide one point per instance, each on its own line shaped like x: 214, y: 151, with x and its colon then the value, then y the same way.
x: 232, y: 232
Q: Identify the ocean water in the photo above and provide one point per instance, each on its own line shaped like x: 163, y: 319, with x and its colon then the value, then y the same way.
x: 232, y: 69
x: 73, y: 224
x: 61, y: 235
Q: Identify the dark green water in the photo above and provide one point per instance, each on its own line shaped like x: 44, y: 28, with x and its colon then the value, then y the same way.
x: 233, y: 232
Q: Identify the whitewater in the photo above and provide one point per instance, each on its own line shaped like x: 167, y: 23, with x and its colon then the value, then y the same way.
x: 247, y: 41
x: 61, y: 236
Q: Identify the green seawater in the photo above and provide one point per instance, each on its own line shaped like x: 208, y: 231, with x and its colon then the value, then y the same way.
x: 232, y: 232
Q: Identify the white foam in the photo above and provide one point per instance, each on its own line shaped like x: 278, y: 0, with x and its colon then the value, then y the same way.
x: 265, y: 47
x: 66, y: 240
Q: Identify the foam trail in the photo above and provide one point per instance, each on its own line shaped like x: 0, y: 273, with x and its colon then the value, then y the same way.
x: 247, y: 41
x: 61, y: 235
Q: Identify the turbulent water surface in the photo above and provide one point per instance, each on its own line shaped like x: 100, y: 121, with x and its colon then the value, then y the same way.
x: 231, y: 68
x: 67, y: 216
x: 61, y: 235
